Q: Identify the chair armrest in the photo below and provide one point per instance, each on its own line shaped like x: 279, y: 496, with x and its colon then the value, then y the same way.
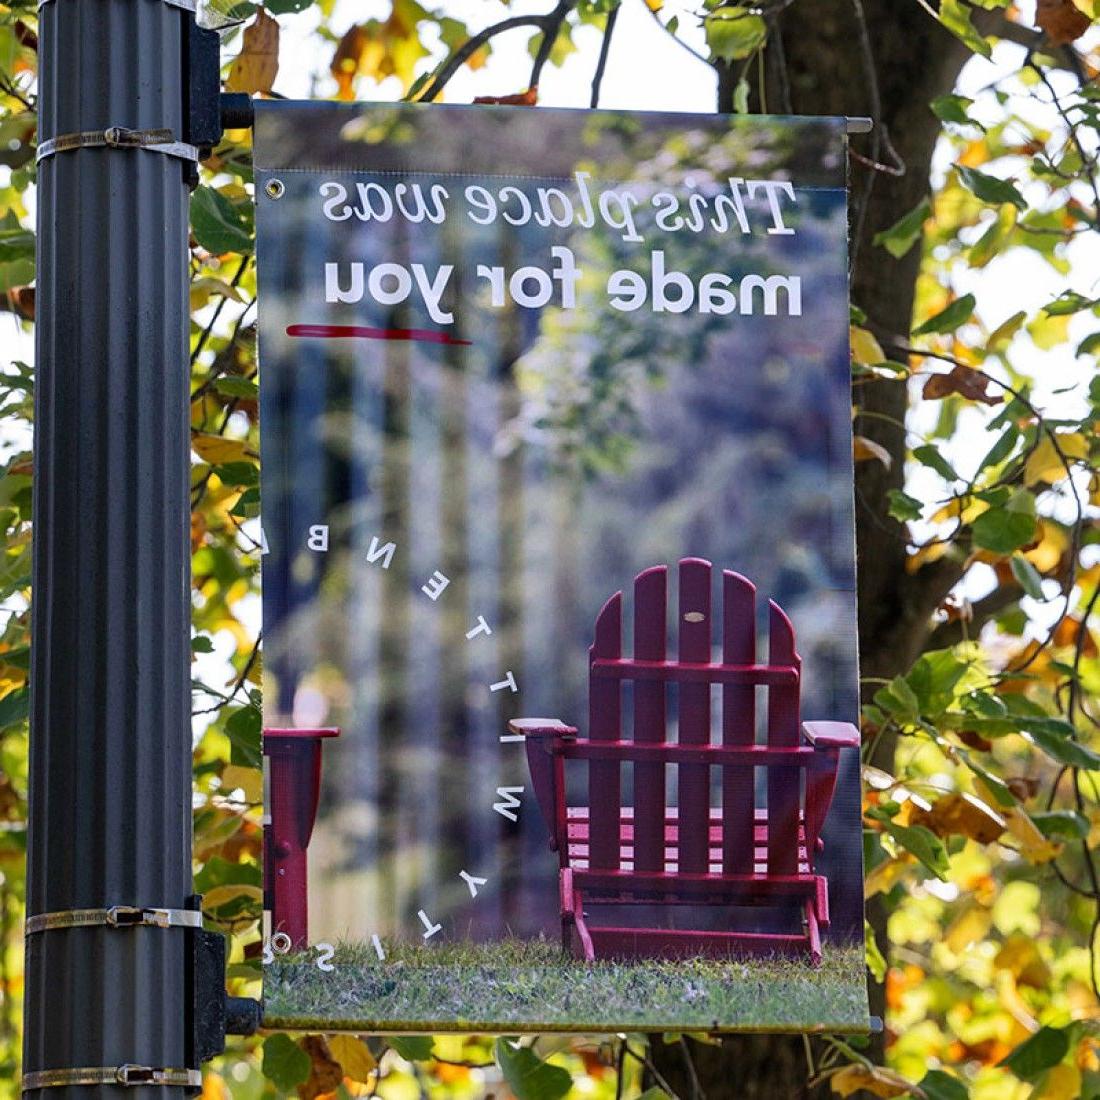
x: 831, y: 735
x: 534, y: 728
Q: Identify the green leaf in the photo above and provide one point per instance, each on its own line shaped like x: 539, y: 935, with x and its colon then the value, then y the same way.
x: 1003, y: 530
x: 876, y: 961
x: 217, y: 224
x: 413, y: 1048
x: 989, y: 243
x: 989, y: 188
x: 286, y: 7
x: 1005, y: 445
x: 932, y: 680
x: 285, y: 1064
x: 955, y: 16
x: 929, y: 455
x: 906, y: 231
x: 1046, y: 1048
x: 953, y: 108
x: 243, y: 730
x: 1062, y: 824
x: 741, y: 97
x: 16, y: 253
x: 527, y: 1075
x: 733, y: 33
x: 1090, y: 345
x: 903, y: 507
x: 1027, y: 577
x: 1069, y: 302
x: 898, y: 700
x: 235, y: 386
x: 14, y: 707
x: 949, y: 319
x: 938, y: 1085
x: 1055, y: 738
x: 201, y: 643
x: 924, y: 844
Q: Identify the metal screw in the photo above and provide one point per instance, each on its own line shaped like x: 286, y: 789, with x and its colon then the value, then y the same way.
x: 275, y: 189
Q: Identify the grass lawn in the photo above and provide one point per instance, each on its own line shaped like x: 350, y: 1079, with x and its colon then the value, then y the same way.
x: 519, y: 985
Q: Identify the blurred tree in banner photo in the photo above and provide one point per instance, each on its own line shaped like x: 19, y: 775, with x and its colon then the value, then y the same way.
x: 975, y: 332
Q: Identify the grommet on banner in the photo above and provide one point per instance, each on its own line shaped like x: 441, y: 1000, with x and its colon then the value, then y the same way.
x: 117, y: 916
x: 119, y: 137
x: 127, y: 1075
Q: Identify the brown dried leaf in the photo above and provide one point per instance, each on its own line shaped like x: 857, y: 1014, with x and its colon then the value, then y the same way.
x: 325, y: 1074
x: 1062, y: 21
x: 257, y: 64
x: 960, y: 380
x: 528, y: 98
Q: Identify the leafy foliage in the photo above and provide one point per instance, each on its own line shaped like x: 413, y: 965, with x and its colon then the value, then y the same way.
x: 983, y: 818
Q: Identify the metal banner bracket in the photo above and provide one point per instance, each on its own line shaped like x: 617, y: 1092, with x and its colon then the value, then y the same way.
x: 128, y: 1075
x: 115, y: 916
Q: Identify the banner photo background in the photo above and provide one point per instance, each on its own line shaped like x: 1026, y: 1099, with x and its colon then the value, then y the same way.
x: 461, y: 465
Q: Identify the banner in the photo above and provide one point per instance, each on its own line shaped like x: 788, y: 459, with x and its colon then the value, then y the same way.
x: 560, y: 659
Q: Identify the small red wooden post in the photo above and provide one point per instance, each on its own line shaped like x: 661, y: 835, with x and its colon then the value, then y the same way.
x: 294, y: 793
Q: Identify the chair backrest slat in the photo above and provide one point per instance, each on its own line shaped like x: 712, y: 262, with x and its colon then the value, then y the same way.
x: 605, y: 724
x: 784, y: 795
x: 695, y: 633
x: 647, y: 836
x: 650, y: 633
x: 738, y: 723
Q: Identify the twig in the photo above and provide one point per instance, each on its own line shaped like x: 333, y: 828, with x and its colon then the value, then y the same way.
x: 605, y: 48
x: 675, y: 37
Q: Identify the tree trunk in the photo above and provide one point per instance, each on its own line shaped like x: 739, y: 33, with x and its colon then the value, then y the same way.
x: 815, y: 66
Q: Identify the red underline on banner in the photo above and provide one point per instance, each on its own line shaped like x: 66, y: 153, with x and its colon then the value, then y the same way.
x: 362, y: 332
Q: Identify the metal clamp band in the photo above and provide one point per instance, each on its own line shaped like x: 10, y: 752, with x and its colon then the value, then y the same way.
x: 186, y: 5
x: 119, y: 137
x: 117, y: 916
x: 127, y: 1075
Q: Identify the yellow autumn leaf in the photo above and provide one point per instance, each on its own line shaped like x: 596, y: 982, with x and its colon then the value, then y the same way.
x: 248, y: 780
x: 223, y: 895
x: 866, y: 350
x: 1062, y: 1082
x: 1046, y: 464
x: 1002, y: 335
x: 257, y: 65
x: 217, y: 450
x: 213, y: 1086
x: 885, y: 875
x: 1048, y: 331
x: 1019, y: 955
x: 877, y: 1080
x: 970, y: 926
x: 354, y: 1056
x: 864, y: 449
x: 1052, y: 543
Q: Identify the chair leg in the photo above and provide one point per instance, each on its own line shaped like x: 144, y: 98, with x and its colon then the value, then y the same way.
x: 588, y: 950
x: 813, y: 936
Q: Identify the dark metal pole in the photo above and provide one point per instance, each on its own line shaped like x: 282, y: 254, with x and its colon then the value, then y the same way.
x: 110, y: 786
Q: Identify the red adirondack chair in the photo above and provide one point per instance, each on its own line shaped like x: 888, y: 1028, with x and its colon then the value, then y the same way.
x: 294, y: 791
x: 693, y: 853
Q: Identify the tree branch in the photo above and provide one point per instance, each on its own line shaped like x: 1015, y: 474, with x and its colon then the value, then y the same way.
x: 471, y: 46
x: 550, y: 31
